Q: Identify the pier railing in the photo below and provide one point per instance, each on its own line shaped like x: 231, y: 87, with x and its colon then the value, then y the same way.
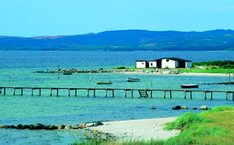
x: 3, y: 90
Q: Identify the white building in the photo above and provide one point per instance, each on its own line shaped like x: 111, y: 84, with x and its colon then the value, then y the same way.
x: 167, y: 62
x: 141, y: 64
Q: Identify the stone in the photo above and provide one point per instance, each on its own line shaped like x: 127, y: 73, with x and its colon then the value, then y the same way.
x: 19, y: 126
x: 184, y: 107
x: 176, y: 107
x: 67, y: 127
x: 82, y: 125
x: 194, y: 108
x: 98, y: 123
x: 2, y: 126
x: 25, y: 127
x: 52, y: 127
x: 31, y: 126
x: 39, y: 126
x: 61, y: 126
x: 6, y: 126
x: 89, y: 125
x: 12, y: 126
x: 203, y: 107
x: 75, y: 126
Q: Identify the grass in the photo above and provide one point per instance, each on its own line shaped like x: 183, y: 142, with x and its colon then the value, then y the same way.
x: 215, y: 126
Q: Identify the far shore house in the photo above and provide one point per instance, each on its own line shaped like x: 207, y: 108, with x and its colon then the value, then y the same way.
x: 166, y: 62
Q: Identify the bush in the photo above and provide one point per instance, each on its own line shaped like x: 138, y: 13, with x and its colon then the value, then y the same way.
x: 184, y: 120
x: 120, y: 67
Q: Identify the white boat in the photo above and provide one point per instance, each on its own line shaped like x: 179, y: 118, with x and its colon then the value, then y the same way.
x: 133, y: 79
x: 189, y: 85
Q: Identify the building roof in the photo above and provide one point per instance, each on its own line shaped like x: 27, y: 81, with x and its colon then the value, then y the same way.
x: 174, y: 58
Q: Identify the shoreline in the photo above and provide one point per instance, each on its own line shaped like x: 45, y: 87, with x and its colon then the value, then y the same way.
x: 143, y: 129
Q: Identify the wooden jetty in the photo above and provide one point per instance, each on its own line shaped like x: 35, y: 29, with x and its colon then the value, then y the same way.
x: 146, y: 93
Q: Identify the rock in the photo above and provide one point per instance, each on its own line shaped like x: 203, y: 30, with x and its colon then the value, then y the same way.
x: 25, y: 127
x: 203, y: 107
x: 184, y: 107
x: 61, y: 126
x: 52, y: 127
x: 39, y: 126
x: 176, y: 107
x: 31, y: 126
x: 68, y: 127
x: 6, y: 126
x: 12, y: 126
x: 19, y: 126
x: 98, y: 123
x: 76, y: 126
x: 2, y: 126
x: 194, y: 108
x: 89, y: 125
x: 82, y: 125
x: 153, y: 108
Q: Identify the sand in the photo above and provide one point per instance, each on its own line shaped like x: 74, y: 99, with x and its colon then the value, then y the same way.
x: 144, y: 129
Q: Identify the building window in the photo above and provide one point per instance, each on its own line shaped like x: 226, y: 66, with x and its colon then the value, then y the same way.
x: 151, y: 64
x: 142, y: 63
x: 167, y: 60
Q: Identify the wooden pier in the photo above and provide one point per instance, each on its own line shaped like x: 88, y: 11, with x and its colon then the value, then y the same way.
x: 142, y: 92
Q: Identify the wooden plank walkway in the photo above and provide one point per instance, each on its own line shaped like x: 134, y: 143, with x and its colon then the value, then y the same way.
x: 3, y: 90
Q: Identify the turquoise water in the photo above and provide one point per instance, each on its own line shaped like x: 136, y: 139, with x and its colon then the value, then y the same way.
x: 72, y: 110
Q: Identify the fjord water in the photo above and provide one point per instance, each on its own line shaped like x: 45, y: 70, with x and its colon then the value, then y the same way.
x: 72, y: 110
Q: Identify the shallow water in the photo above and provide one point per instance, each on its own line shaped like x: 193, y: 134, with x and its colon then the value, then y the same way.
x: 72, y: 110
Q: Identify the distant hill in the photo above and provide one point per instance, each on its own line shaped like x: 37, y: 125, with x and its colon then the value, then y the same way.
x: 126, y: 40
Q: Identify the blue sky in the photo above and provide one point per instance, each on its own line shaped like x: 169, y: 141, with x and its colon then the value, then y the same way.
x: 70, y: 17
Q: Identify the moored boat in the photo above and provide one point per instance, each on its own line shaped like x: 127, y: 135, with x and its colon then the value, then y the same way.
x: 189, y: 85
x: 133, y: 79
x: 105, y: 83
x: 67, y: 73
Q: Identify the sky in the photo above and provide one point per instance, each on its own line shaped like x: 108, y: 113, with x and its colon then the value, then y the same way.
x: 71, y: 17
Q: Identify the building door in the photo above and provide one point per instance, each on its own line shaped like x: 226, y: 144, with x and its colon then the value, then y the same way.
x: 159, y: 63
x: 181, y: 64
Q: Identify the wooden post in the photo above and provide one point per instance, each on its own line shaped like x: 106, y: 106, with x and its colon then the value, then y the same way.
x: 211, y: 95
x: 164, y: 94
x: 113, y: 93
x: 226, y: 95
x: 205, y: 94
x: 0, y: 90
x: 191, y: 95
x: 50, y: 91
x: 14, y: 91
x: 106, y: 94
x: 69, y: 92
x: 94, y: 95
x: 151, y: 94
x: 4, y: 91
x: 233, y: 95
x: 170, y: 94
x: 22, y: 92
x: 185, y: 94
x: 132, y: 93
x: 57, y: 92
x: 125, y: 94
x: 32, y: 92
x: 87, y: 92
x: 39, y: 92
x: 75, y: 92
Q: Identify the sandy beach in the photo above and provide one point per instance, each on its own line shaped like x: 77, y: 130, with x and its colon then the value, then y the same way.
x: 144, y: 129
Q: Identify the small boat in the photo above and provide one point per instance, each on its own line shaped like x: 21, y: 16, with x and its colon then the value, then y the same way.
x: 189, y: 85
x: 105, y: 83
x: 133, y: 79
